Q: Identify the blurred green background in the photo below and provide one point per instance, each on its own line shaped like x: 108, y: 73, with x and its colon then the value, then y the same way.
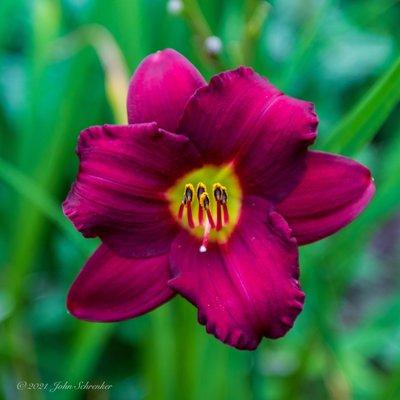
x: 64, y: 65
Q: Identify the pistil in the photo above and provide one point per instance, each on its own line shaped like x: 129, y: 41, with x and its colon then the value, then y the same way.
x: 206, y: 236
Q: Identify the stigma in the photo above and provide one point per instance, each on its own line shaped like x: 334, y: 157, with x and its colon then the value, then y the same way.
x: 213, y: 213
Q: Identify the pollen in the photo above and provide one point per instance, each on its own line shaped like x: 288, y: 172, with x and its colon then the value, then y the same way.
x: 224, y: 196
x: 201, y: 188
x: 204, y: 206
x: 217, y: 190
x: 187, y: 203
x: 204, y: 201
x: 207, y: 203
x: 188, y: 195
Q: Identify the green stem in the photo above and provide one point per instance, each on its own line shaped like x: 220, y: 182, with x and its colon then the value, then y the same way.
x: 160, y: 353
x: 84, y: 353
x: 309, y: 33
x: 256, y: 11
x: 202, y: 30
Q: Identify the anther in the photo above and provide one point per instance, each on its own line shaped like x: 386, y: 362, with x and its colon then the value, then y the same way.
x: 189, y: 190
x: 187, y: 202
x: 205, y: 203
x: 217, y: 190
x: 201, y: 188
x: 224, y: 195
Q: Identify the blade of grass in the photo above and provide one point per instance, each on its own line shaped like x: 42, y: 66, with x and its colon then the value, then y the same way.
x: 256, y: 12
x: 23, y: 361
x: 307, y: 38
x: 116, y: 78
x: 160, y: 353
x: 28, y: 189
x: 45, y: 22
x: 85, y: 350
x: 30, y: 221
x: 30, y: 225
x: 45, y: 26
x: 7, y: 7
x: 201, y: 29
x: 365, y: 119
x: 90, y: 338
x: 131, y: 22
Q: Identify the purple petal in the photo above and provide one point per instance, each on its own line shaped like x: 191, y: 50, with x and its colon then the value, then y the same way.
x: 119, y: 194
x: 333, y: 191
x: 113, y: 288
x: 160, y: 89
x: 241, y: 118
x: 247, y: 288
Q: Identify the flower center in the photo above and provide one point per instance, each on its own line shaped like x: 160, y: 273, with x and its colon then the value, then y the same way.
x: 207, y: 203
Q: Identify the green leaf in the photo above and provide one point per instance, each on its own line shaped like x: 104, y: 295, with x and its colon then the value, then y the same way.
x: 83, y: 354
x: 364, y: 121
x: 29, y: 189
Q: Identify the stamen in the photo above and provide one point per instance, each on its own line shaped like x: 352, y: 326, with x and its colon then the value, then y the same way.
x: 181, y: 208
x: 201, y: 188
x: 224, y: 200
x: 198, y: 202
x: 219, y: 218
x: 189, y: 190
x: 210, y: 219
x: 201, y: 215
x: 224, y: 195
x: 205, y: 203
x: 190, y: 215
x: 221, y: 198
x: 187, y: 202
x: 226, y: 214
x: 217, y: 190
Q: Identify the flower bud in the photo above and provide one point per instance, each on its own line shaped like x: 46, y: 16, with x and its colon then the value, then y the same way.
x: 213, y: 45
x: 175, y: 7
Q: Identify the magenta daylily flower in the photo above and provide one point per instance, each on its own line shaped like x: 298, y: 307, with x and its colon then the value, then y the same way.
x: 208, y: 192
